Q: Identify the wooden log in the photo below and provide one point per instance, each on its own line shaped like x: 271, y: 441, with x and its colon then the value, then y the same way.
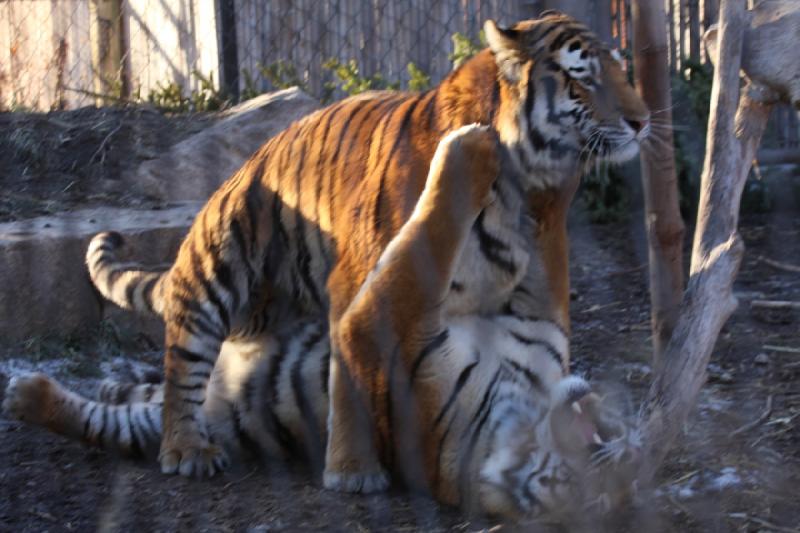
x: 778, y: 156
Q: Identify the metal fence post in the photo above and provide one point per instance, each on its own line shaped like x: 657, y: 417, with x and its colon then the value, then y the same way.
x: 229, y: 53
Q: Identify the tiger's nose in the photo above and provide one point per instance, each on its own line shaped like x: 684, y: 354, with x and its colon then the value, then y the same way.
x: 637, y: 125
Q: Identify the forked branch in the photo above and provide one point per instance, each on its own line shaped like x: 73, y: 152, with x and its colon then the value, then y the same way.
x: 717, y: 252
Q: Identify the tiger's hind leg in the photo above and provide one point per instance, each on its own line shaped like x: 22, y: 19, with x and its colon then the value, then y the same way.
x: 211, y: 292
x: 396, y: 310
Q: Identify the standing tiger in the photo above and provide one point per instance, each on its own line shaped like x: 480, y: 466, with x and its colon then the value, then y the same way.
x: 301, y: 224
x: 503, y: 430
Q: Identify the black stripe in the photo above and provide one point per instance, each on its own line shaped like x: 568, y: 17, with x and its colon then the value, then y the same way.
x: 211, y: 293
x: 547, y: 31
x: 115, y: 429
x: 88, y: 422
x: 130, y: 289
x: 400, y: 136
x: 529, y: 99
x: 495, y: 100
x: 430, y: 108
x: 253, y: 201
x: 191, y: 304
x: 189, y: 356
x: 320, y: 177
x: 245, y: 440
x: 314, y: 441
x: 103, y: 423
x: 565, y: 36
x: 148, y: 392
x: 460, y: 382
x: 136, y: 446
x: 244, y: 252
x: 440, y: 450
x: 491, y: 246
x: 151, y: 426
x: 147, y: 292
x: 324, y: 371
x: 248, y: 389
x: 192, y: 401
x: 270, y: 400
x: 379, y: 105
x: 224, y: 275
x: 549, y: 348
x: 480, y: 416
x: 196, y: 386
x: 434, y: 344
x: 303, y: 254
x: 532, y: 378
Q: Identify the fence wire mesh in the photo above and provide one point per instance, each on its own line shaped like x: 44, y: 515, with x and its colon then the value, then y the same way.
x: 189, y: 54
x: 59, y: 54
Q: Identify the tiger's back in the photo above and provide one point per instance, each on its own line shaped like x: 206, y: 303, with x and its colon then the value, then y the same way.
x: 304, y: 221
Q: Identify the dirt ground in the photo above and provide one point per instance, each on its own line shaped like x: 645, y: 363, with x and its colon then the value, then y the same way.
x: 737, y: 468
x: 52, y: 162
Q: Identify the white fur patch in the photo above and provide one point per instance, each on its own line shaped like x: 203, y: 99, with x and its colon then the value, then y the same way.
x: 570, y: 388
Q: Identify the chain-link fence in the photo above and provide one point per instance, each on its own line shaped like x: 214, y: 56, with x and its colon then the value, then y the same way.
x: 60, y: 54
x: 184, y: 54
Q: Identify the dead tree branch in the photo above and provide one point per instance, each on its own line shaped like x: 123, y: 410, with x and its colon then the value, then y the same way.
x: 663, y: 221
x: 717, y: 251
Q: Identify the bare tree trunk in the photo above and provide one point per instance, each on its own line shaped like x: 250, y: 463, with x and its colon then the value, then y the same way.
x: 694, y: 29
x: 665, y: 228
x: 106, y: 39
x: 717, y: 251
x: 710, y: 13
x: 602, y: 20
x: 673, y: 47
x: 575, y: 8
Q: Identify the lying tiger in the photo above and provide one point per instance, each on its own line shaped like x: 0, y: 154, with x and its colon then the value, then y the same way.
x: 487, y: 420
x: 306, y: 218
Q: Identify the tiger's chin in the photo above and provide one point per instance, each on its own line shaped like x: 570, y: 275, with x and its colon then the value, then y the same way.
x: 621, y: 153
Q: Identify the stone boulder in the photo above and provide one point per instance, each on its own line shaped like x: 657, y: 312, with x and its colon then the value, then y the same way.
x: 44, y: 285
x: 195, y: 167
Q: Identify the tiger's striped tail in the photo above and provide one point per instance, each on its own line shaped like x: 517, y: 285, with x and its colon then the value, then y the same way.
x: 129, y: 285
x: 132, y: 429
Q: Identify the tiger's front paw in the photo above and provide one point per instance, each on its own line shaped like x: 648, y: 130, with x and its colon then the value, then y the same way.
x: 472, y: 162
x: 194, y: 457
x: 30, y: 398
x: 366, y: 482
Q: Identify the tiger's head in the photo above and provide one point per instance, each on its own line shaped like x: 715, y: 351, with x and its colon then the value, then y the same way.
x: 572, y: 101
x: 576, y: 455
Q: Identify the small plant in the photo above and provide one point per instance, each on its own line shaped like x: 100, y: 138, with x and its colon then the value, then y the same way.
x: 350, y: 80
x: 170, y: 97
x: 604, y: 194
x: 417, y: 79
x: 282, y: 75
x: 464, y: 47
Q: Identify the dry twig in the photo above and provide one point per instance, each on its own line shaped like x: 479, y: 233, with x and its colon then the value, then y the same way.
x: 235, y: 481
x: 758, y: 421
x: 778, y: 264
x: 775, y: 304
x: 784, y: 349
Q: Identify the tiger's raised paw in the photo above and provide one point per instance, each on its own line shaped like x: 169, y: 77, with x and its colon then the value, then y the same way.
x: 469, y: 160
x: 30, y: 398
x: 363, y: 483
x: 197, y: 461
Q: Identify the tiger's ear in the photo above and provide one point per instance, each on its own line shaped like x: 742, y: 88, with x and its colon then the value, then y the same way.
x: 507, y: 48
